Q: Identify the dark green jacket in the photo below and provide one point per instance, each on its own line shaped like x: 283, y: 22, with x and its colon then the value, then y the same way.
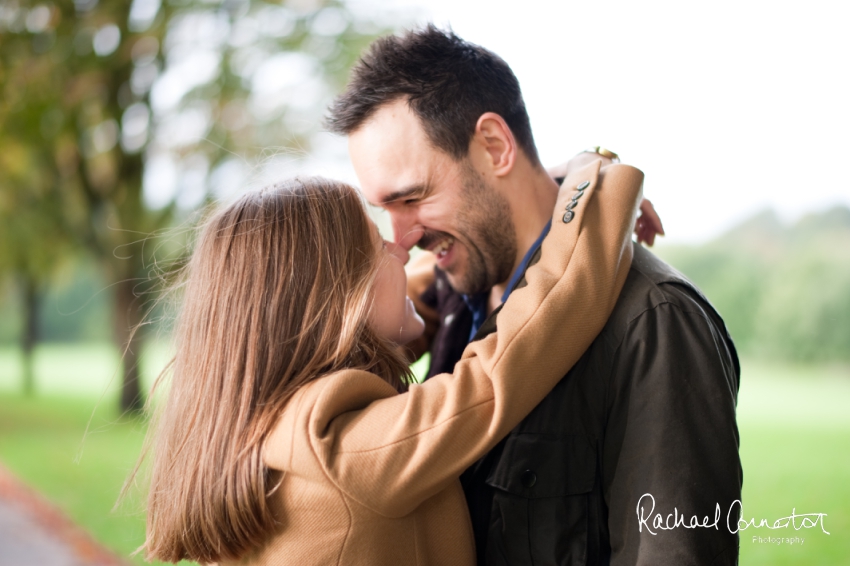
x: 646, y: 417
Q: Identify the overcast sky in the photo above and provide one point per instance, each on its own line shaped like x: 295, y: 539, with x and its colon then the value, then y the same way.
x: 728, y: 107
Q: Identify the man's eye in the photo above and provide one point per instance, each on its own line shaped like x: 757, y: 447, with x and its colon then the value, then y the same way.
x: 410, y: 201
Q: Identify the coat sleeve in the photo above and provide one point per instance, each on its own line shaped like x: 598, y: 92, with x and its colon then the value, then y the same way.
x: 672, y: 443
x: 391, y: 454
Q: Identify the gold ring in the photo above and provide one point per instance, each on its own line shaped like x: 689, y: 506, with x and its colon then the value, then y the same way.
x: 605, y: 153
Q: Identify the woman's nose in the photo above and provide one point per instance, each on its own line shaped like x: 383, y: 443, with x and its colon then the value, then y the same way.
x: 399, y: 252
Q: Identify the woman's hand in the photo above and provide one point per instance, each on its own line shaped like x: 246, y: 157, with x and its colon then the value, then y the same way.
x: 648, y: 224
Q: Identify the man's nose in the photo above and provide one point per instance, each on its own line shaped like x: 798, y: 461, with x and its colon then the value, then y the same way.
x: 399, y: 252
x: 406, y: 231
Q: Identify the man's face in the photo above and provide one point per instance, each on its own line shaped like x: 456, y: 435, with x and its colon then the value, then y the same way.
x: 435, y: 202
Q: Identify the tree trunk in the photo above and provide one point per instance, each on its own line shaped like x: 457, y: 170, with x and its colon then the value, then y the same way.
x: 128, y: 334
x: 29, y: 334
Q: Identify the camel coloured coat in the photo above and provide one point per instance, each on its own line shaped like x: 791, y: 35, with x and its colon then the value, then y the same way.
x: 370, y: 476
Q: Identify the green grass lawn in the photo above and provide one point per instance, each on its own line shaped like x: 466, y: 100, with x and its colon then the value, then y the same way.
x: 794, y: 423
x: 795, y: 447
x: 41, y: 441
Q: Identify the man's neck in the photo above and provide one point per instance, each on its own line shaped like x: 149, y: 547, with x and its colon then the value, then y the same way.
x: 532, y: 198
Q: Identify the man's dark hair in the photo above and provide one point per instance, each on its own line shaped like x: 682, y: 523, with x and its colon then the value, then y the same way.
x: 449, y: 84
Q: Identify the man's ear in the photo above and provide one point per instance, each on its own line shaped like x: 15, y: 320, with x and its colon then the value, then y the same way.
x: 493, y: 135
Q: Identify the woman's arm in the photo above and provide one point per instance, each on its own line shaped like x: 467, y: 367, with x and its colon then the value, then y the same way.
x: 648, y: 224
x: 391, y: 452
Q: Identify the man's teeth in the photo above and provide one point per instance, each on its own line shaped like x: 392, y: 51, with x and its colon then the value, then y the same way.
x: 444, y: 246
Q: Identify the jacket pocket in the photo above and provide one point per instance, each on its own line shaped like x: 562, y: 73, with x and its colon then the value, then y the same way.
x: 541, y: 486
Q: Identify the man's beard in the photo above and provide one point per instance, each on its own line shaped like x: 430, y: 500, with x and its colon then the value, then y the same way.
x: 485, y: 225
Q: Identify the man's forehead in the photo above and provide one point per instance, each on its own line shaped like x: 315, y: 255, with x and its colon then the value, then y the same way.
x: 394, y: 121
x: 391, y: 157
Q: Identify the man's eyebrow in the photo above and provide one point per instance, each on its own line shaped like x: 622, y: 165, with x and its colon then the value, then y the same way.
x: 402, y: 194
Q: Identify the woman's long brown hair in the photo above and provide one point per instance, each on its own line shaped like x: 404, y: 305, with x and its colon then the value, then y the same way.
x: 276, y: 295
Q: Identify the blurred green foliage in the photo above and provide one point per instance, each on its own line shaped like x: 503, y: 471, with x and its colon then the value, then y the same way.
x: 74, y: 307
x: 117, y: 119
x: 784, y: 291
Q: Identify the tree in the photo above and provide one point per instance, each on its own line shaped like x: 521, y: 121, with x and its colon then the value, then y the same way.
x: 132, y: 113
x: 782, y: 290
x: 31, y: 240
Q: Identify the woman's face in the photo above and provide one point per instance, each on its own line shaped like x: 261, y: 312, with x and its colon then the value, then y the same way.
x: 393, y: 315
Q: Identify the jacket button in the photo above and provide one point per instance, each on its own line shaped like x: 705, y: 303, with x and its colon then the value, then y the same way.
x: 528, y: 478
x: 568, y: 215
x: 583, y: 186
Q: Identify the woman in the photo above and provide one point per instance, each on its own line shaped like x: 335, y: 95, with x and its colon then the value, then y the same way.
x: 289, y: 435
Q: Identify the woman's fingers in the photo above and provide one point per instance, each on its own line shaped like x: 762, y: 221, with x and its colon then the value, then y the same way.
x: 648, y: 224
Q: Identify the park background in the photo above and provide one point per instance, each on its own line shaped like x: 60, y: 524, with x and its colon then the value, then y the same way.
x: 121, y: 121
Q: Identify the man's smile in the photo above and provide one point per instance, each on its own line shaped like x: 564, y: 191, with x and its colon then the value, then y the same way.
x: 440, y: 245
x: 442, y: 248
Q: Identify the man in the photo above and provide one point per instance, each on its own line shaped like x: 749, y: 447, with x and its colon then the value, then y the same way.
x: 633, y: 458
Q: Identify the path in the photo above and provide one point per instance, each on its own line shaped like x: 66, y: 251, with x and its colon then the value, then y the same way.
x: 33, y: 532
